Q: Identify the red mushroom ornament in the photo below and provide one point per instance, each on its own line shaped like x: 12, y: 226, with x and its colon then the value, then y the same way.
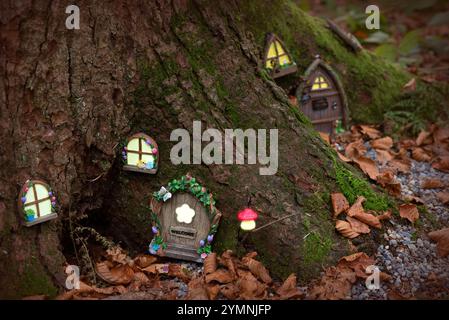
x: 248, y: 219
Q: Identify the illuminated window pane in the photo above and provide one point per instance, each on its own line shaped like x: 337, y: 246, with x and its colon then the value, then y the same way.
x: 320, y: 83
x: 280, y: 48
x: 133, y: 144
x: 315, y: 86
x: 145, y: 147
x: 272, y: 51
x: 147, y: 158
x: 45, y: 207
x: 132, y: 159
x: 29, y: 196
x: 41, y: 191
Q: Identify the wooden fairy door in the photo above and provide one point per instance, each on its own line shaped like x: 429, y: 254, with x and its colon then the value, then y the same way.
x: 322, y: 102
x: 185, y: 223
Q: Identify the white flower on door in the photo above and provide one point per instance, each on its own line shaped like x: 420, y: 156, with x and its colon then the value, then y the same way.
x: 184, y: 213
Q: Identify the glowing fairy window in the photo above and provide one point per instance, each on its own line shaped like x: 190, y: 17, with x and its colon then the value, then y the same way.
x: 277, y: 59
x: 37, y: 202
x: 141, y: 154
x: 320, y: 83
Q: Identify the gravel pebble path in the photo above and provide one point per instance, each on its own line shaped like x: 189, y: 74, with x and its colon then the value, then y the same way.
x: 407, y: 257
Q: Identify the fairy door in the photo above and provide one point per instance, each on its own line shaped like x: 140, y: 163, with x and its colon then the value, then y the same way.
x: 185, y: 223
x: 321, y: 101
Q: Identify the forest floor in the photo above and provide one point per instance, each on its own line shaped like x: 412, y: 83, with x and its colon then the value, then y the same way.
x: 411, y: 257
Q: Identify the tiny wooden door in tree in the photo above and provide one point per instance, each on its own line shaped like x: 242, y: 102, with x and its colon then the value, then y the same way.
x: 37, y: 202
x: 141, y: 154
x: 277, y: 59
x: 184, y: 220
x: 322, y: 98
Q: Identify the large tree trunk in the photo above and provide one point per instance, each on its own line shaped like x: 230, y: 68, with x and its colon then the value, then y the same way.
x: 68, y: 97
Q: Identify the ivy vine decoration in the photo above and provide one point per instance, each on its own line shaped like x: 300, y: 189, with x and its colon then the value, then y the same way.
x: 187, y: 183
x: 184, y: 184
x: 206, y: 244
x: 157, y: 244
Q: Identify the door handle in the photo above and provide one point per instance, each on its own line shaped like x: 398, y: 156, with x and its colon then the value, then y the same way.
x: 334, y: 105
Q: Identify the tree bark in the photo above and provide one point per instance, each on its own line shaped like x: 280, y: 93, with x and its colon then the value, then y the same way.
x: 69, y: 97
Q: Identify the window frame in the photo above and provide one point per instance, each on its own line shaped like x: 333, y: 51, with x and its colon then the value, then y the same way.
x: 141, y: 136
x: 320, y: 83
x: 22, y: 206
x: 277, y: 72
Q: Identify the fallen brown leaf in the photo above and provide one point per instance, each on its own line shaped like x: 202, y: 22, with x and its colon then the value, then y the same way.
x: 336, y: 284
x: 400, y: 165
x: 339, y: 203
x: 343, y: 158
x: 212, y: 290
x: 407, y: 144
x: 144, y: 260
x: 345, y: 229
x: 419, y: 154
x: 384, y: 143
x: 385, y: 216
x: 369, y: 219
x: 442, y: 164
x: 221, y: 276
x: 227, y: 259
x: 355, y: 149
x: 388, y: 181
x: 441, y: 237
x: 443, y: 197
x: 178, y: 271
x: 197, y: 290
x: 409, y: 212
x: 230, y: 291
x: 383, y: 156
x: 257, y: 269
x: 422, y: 137
x: 288, y: 289
x: 210, y: 263
x: 157, y: 268
x: 357, y: 206
x: 368, y: 166
x: 358, y: 226
x: 358, y: 262
x: 413, y: 199
x: 120, y: 274
x: 371, y: 132
x: 432, y: 183
x: 250, y: 288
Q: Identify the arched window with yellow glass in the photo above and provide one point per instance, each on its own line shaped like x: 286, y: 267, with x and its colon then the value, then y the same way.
x: 141, y: 154
x: 277, y: 59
